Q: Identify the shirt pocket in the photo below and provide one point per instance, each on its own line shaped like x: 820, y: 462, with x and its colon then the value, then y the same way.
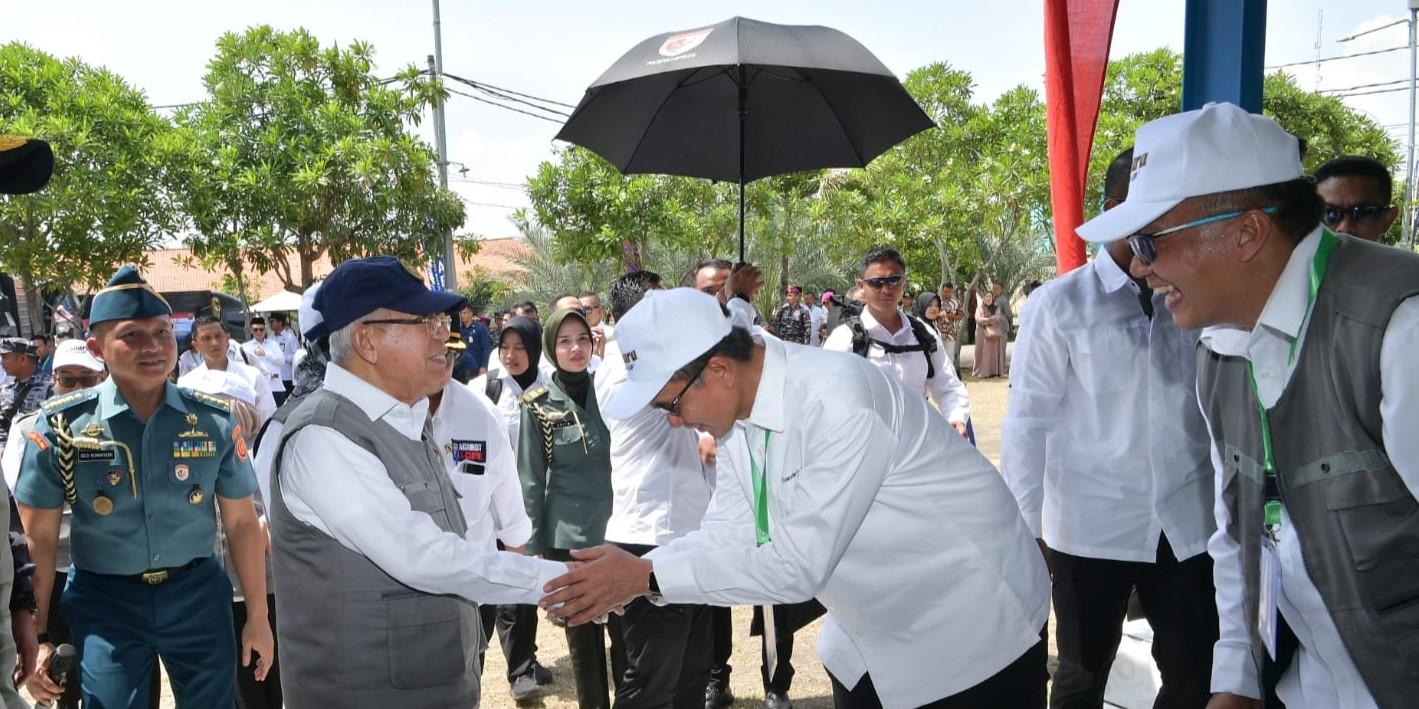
x: 423, y: 495
x: 418, y: 620
x: 1379, y: 519
x: 1098, y: 358
x: 566, y: 435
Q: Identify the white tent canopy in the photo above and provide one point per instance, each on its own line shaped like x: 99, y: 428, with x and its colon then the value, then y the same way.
x: 285, y: 301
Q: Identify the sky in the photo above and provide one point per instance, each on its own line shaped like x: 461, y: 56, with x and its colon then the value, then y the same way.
x: 554, y: 48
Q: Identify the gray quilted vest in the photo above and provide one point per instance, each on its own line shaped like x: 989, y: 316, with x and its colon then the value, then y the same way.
x: 1357, y: 523
x: 351, y: 636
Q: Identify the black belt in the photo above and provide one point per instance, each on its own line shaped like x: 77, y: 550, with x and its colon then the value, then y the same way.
x: 156, y: 577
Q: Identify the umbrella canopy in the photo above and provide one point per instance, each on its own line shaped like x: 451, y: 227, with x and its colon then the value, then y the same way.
x: 282, y: 302
x: 741, y: 100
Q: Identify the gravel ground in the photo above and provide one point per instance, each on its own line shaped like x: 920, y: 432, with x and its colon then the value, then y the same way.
x: 811, y: 689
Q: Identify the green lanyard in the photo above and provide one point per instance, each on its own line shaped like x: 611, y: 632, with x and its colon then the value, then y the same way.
x: 761, y: 491
x: 1272, y: 508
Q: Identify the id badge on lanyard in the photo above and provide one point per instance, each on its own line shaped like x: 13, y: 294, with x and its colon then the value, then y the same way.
x: 1269, y: 596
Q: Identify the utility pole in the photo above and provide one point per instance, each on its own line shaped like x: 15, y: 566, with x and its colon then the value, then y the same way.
x: 450, y: 270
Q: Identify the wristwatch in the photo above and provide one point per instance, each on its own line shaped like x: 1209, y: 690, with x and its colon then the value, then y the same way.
x: 654, y: 594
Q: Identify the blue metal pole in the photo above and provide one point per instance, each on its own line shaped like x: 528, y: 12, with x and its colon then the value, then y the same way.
x: 1224, y: 42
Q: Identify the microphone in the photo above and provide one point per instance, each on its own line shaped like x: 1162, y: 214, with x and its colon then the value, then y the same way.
x: 61, y: 664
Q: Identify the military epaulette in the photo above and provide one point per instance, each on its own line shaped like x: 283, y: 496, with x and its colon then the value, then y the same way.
x: 64, y: 401
x: 533, y: 395
x: 215, y: 402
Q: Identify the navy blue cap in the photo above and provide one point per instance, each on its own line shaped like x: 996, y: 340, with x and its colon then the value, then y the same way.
x: 25, y: 164
x: 127, y: 297
x: 360, y: 286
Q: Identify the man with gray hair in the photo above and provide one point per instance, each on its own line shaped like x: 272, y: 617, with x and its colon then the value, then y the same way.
x: 377, y: 577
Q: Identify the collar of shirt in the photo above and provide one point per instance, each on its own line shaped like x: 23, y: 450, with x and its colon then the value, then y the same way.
x: 1285, y: 309
x: 408, y: 420
x: 870, y: 323
x: 1111, y: 277
x: 768, y: 399
x: 111, y: 402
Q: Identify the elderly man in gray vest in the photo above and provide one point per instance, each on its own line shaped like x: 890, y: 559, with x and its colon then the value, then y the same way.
x: 377, y: 579
x: 1310, y: 398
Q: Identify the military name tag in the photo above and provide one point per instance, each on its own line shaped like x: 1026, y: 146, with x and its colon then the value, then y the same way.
x: 469, y: 451
x: 104, y: 454
x: 564, y: 423
x: 191, y: 448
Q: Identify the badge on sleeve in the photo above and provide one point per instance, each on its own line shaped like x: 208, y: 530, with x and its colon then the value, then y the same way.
x: 38, y: 440
x: 240, y: 443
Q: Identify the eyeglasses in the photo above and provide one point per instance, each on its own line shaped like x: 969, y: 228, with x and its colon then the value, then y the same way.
x: 86, y: 380
x: 435, y: 324
x: 673, y: 408
x: 885, y: 281
x: 1145, y: 248
x: 1360, y: 213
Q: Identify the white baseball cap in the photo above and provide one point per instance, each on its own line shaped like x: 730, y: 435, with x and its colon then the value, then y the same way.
x: 1217, y: 148
x: 667, y: 330
x: 75, y: 352
x: 308, y: 315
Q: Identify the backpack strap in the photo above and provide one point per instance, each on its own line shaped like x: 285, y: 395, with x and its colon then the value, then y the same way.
x: 493, y: 388
x: 925, y: 342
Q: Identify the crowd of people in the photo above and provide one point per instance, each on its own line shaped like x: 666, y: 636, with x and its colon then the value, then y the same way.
x: 341, y: 510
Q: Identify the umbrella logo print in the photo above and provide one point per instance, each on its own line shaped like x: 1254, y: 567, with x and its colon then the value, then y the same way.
x: 678, y: 44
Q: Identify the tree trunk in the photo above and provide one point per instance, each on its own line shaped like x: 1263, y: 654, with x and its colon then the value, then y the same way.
x: 34, y: 305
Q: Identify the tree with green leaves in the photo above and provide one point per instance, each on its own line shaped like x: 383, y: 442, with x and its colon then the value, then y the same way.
x: 300, y: 149
x: 106, y: 204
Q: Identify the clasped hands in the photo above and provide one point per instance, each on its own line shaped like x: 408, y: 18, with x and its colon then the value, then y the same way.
x: 600, y: 580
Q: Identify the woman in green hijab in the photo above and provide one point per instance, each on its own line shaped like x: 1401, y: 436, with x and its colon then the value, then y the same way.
x: 564, y: 460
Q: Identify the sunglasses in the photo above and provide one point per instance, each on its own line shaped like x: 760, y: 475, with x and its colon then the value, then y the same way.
x: 86, y: 381
x: 673, y: 408
x: 1360, y: 213
x: 1145, y: 248
x: 885, y: 281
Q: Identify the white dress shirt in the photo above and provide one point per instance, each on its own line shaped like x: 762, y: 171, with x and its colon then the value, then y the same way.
x: 660, y: 489
x: 815, y: 323
x: 1102, y: 441
x: 289, y: 344
x: 473, y: 438
x: 909, y: 368
x: 188, y: 361
x: 507, y: 403
x: 877, y: 508
x: 344, y: 491
x: 1322, y: 675
x: 239, y: 381
x: 265, y: 355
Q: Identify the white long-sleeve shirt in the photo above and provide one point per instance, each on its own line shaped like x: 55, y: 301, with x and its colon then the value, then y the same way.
x: 1102, y: 441
x: 344, y: 491
x: 877, y: 508
x: 660, y: 489
x: 241, y: 381
x: 507, y: 403
x: 909, y: 368
x: 1321, y: 675
x: 289, y: 345
x: 265, y: 355
x: 473, y: 438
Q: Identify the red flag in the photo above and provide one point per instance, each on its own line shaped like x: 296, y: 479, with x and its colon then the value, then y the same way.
x: 1077, y: 38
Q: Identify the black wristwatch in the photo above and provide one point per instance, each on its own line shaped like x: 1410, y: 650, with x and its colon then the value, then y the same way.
x: 654, y: 586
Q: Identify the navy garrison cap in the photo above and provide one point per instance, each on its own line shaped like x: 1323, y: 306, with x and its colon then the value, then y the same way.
x: 127, y: 297
x: 25, y: 164
x: 360, y: 286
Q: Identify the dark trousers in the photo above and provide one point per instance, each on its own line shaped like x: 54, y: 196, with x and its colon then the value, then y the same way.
x: 59, y: 634
x: 586, y: 645
x: 1090, y: 601
x: 722, y: 645
x: 1021, y: 685
x: 251, y: 693
x: 667, y: 652
x: 517, y: 634
x: 118, y: 625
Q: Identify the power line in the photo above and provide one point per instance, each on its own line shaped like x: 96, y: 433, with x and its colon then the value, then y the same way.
x: 1338, y: 58
x: 486, y: 183
x: 487, y: 90
x: 1372, y: 31
x: 1366, y: 86
x: 1370, y: 93
x: 488, y: 204
x: 502, y: 105
x: 485, y: 84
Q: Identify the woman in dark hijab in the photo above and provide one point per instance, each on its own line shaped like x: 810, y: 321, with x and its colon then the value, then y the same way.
x: 564, y: 461
x: 927, y: 307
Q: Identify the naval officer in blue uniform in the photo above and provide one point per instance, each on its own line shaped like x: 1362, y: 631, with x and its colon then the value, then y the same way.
x: 146, y: 467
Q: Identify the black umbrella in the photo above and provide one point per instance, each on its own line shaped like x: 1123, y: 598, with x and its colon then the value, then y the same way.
x: 741, y: 100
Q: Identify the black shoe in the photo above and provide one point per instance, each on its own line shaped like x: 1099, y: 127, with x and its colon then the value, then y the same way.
x: 541, y: 674
x: 718, y: 696
x: 774, y: 700
x: 525, y: 688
